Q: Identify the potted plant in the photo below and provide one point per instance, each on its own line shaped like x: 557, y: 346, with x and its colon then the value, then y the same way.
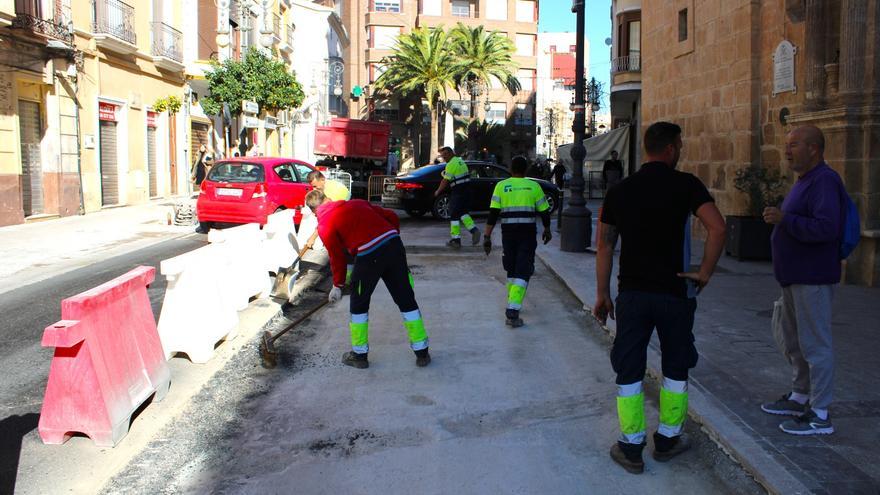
x: 748, y: 236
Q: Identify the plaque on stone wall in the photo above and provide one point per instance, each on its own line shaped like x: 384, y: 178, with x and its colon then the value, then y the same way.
x: 783, y: 68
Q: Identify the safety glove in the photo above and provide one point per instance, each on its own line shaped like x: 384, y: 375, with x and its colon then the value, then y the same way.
x: 335, y: 295
x: 546, y: 236
x: 487, y: 244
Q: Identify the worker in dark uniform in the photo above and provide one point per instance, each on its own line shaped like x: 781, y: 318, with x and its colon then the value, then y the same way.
x: 457, y: 176
x: 518, y: 202
x: 372, y: 235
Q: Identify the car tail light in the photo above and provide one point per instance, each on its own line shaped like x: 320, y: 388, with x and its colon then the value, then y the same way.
x: 203, y: 188
x: 260, y: 190
x: 407, y: 186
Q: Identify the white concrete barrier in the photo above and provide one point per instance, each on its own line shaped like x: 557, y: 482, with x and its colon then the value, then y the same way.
x: 280, y: 248
x: 242, y: 265
x: 195, y: 314
x: 307, y: 226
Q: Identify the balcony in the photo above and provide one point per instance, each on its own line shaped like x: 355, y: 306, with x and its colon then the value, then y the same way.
x: 287, y: 44
x: 113, y: 27
x: 276, y: 29
x: 28, y: 17
x: 630, y: 63
x: 167, y: 49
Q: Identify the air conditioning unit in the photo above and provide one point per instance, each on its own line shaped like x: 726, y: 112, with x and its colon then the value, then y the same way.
x: 282, y: 118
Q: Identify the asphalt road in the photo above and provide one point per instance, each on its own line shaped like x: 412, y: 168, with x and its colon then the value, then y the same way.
x: 26, y: 311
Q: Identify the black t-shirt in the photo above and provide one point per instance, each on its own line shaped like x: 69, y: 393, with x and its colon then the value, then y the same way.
x: 652, y: 210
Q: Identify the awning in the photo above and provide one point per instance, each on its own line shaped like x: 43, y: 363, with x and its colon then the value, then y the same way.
x: 599, y: 149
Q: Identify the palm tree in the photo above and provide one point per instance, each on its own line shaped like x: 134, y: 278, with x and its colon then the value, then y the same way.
x: 481, y: 134
x: 422, y: 66
x: 483, y: 56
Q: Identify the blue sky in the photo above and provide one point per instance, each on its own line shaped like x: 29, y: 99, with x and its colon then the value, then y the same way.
x: 556, y: 16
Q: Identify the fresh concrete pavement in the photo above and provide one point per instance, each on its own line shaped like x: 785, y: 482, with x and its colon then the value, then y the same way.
x: 498, y: 410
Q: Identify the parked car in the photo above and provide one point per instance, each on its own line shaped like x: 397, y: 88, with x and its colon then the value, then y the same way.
x: 414, y: 191
x: 248, y: 189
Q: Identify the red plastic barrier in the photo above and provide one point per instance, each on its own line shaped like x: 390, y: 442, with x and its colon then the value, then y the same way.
x: 108, y: 361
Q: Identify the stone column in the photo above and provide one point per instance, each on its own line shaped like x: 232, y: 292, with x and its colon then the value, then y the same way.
x: 853, y: 34
x: 814, y: 63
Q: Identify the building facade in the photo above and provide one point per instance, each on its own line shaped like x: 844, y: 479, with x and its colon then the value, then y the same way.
x: 555, y: 90
x: 39, y: 164
x: 373, y: 25
x: 626, y: 73
x: 737, y: 75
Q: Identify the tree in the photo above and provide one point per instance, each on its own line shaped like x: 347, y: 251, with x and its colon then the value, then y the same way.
x: 483, y: 135
x: 422, y: 66
x: 257, y: 78
x: 484, y: 56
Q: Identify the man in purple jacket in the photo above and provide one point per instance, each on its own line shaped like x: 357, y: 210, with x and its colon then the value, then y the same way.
x: 806, y: 261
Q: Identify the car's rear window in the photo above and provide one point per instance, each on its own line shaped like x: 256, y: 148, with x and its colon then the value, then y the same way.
x: 237, y: 172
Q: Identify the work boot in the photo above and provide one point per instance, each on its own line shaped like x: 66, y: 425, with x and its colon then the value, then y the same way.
x: 475, y: 236
x: 666, y: 448
x: 629, y: 456
x: 422, y: 357
x: 355, y: 360
x: 513, y: 319
x: 454, y: 243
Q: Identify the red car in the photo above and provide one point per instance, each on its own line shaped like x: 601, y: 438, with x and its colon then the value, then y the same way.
x: 248, y: 189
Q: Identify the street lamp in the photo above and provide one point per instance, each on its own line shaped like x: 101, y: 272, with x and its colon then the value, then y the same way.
x: 576, y: 218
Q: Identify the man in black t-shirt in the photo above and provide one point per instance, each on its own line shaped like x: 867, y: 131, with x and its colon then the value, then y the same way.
x: 651, y: 213
x: 612, y: 171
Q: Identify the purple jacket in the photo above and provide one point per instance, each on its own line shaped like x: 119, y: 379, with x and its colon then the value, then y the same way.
x: 806, y: 245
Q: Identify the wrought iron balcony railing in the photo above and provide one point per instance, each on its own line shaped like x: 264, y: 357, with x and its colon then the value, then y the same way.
x: 167, y: 42
x: 631, y: 63
x: 115, y: 18
x: 45, y: 27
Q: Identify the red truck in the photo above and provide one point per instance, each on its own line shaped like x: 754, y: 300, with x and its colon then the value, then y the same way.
x: 358, y: 147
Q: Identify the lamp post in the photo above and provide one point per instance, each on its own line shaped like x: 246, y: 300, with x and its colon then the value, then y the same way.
x: 576, y: 218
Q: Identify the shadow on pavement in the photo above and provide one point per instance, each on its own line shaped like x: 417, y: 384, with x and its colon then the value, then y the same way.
x: 12, y: 430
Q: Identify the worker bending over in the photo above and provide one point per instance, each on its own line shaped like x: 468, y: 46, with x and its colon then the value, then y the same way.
x: 335, y: 191
x: 518, y: 202
x: 457, y: 177
x: 371, y: 235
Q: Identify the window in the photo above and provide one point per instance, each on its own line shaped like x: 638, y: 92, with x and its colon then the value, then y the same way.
x: 461, y: 108
x: 525, y: 11
x: 237, y: 172
x: 497, y: 113
x: 286, y: 172
x: 523, y: 115
x: 496, y: 10
x: 426, y: 112
x: 461, y: 8
x: 384, y: 37
x: 302, y: 172
x: 526, y: 79
x: 376, y: 70
x: 525, y: 45
x: 683, y: 25
x: 386, y: 111
x: 492, y: 172
x: 386, y: 6
x: 432, y: 7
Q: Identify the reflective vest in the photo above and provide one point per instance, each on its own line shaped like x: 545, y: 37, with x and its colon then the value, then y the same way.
x: 519, y: 199
x: 456, y: 172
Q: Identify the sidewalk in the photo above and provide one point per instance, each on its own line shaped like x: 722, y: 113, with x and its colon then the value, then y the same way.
x: 32, y: 252
x: 740, y: 367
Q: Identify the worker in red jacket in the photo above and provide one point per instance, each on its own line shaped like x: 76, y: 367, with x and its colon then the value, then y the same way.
x: 371, y: 235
